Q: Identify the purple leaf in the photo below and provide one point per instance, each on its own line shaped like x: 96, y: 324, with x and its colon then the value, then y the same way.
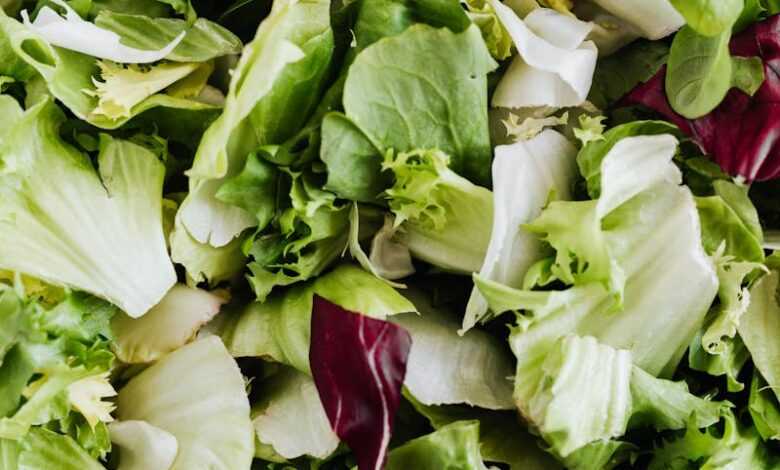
x: 358, y: 364
x: 743, y: 133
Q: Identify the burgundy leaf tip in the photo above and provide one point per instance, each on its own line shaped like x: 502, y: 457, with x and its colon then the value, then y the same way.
x: 358, y: 364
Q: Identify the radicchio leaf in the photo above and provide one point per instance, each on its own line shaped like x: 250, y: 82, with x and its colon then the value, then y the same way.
x: 743, y: 133
x: 359, y: 365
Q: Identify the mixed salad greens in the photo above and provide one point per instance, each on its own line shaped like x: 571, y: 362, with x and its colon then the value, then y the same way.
x: 389, y: 234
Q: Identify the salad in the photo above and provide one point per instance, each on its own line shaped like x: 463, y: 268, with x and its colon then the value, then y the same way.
x: 389, y: 234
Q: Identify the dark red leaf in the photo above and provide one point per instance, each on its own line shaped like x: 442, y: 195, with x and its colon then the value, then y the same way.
x: 358, y: 364
x: 743, y: 133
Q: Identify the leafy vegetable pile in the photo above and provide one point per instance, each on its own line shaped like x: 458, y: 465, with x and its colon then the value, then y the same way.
x: 389, y: 234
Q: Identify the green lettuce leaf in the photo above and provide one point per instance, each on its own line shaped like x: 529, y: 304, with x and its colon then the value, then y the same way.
x: 759, y: 328
x: 414, y: 105
x: 196, y: 394
x: 737, y: 447
x: 43, y: 449
x: 440, y: 214
x: 454, y: 446
x: 503, y: 438
x: 707, y: 17
x: 445, y: 368
x: 109, y: 221
x: 290, y: 417
x: 525, y: 175
x: 67, y: 74
x: 764, y: 408
x: 651, y: 230
x: 143, y: 446
x: 167, y: 326
x: 203, y: 40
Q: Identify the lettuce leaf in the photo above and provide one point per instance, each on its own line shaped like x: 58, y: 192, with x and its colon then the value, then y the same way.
x: 555, y: 63
x: 445, y: 368
x: 279, y: 328
x: 110, y: 222
x: 525, y: 175
x: 167, y: 326
x: 439, y: 213
x: 292, y: 46
x: 454, y: 446
x: 290, y: 417
x: 143, y: 446
x: 75, y: 34
x: 653, y: 19
x: 413, y: 105
x: 196, y: 394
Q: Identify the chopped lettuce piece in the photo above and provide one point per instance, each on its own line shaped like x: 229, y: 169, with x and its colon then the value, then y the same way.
x: 454, y: 446
x: 143, y: 446
x: 653, y: 239
x: 196, y: 394
x: 653, y: 19
x: 737, y: 447
x: 503, y: 438
x: 75, y: 34
x: 203, y: 40
x: 290, y: 417
x: 759, y: 328
x: 167, y: 326
x: 121, y: 88
x: 555, y: 63
x: 97, y: 231
x: 439, y: 213
x: 583, y: 394
x: 525, y: 176
x: 43, y: 448
x: 444, y: 368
